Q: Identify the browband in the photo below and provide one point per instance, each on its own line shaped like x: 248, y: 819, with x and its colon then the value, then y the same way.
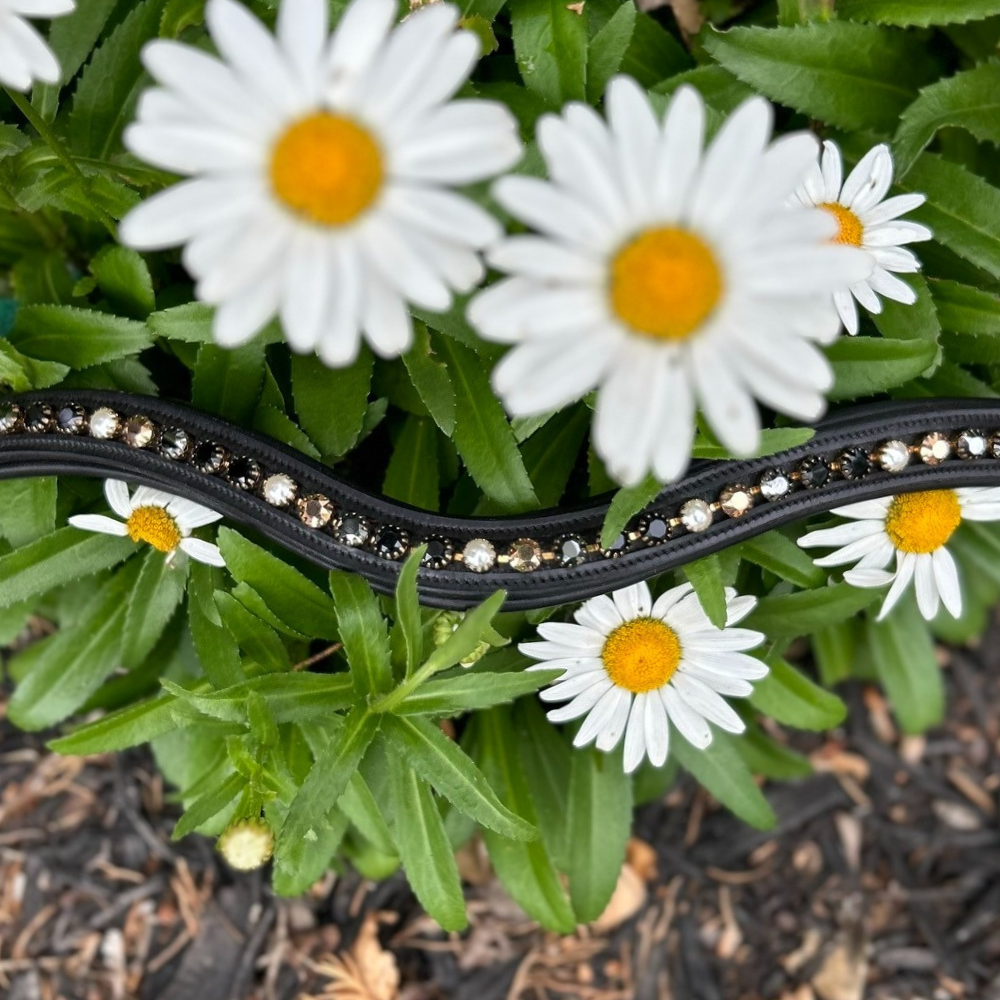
x: 542, y: 559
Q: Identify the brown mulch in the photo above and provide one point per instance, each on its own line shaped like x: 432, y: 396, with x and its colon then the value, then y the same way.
x: 881, y: 882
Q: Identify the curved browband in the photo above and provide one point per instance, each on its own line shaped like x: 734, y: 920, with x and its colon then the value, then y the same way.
x: 543, y: 559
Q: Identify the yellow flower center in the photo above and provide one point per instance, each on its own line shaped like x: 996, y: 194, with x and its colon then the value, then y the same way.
x: 665, y: 283
x: 641, y: 655
x: 247, y: 845
x: 156, y: 526
x: 851, y: 231
x: 923, y: 522
x: 326, y: 168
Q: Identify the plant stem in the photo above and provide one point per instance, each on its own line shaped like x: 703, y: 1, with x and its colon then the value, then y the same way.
x: 399, y: 694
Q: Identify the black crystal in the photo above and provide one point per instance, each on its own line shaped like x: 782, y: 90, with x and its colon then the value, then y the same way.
x: 71, y: 419
x: 353, y: 530
x: 38, y: 418
x: 244, y: 473
x: 175, y: 443
x: 618, y: 546
x: 392, y: 543
x: 209, y: 458
x: 855, y: 463
x: 813, y: 473
x: 439, y: 553
x: 571, y: 550
x: 654, y: 528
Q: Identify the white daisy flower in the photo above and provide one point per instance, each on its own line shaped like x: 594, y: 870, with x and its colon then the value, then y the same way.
x: 156, y: 517
x: 24, y: 54
x: 321, y: 170
x: 913, y: 529
x: 632, y: 663
x: 866, y: 220
x: 666, y: 277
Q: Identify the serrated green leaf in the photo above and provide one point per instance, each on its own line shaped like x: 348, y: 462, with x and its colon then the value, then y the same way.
x: 550, y: 43
x: 128, y: 727
x: 190, y: 323
x: 19, y: 373
x: 123, y: 277
x: 967, y: 310
x: 805, y: 612
x: 228, y: 381
x: 408, y: 621
x: 217, y: 650
x: 772, y: 440
x: 467, y: 636
x: 431, y: 380
x: 722, y: 91
x: 780, y: 555
x: 625, y: 504
x: 705, y: 575
x: 473, y: 691
x: 918, y: 12
x: 363, y: 632
x: 209, y: 804
x: 852, y: 76
x: 27, y: 509
x: 412, y: 474
x: 866, y: 366
x: 77, y: 337
x: 256, y: 638
x: 791, y: 698
x: 607, y: 50
x: 331, y: 404
x: 271, y: 421
x: 157, y: 593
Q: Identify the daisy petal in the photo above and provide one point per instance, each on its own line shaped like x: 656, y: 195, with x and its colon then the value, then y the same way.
x: 99, y: 523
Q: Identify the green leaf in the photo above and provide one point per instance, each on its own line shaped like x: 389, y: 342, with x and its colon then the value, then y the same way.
x: 228, y: 381
x: 122, y: 275
x: 77, y: 337
x: 607, y: 50
x: 152, y: 603
x: 599, y: 821
x: 469, y: 634
x: 705, y: 575
x: 128, y: 727
x: 773, y: 760
x: 272, y: 422
x: 918, y: 12
x: 42, y: 278
x: 780, y: 555
x: 791, y: 698
x: 19, y: 373
x: 967, y: 310
x: 412, y: 475
x: 526, y: 869
x: 423, y: 846
x: 834, y: 650
x: 852, y: 76
x: 969, y: 100
x: 722, y: 771
x: 331, y: 405
x: 190, y: 323
x: 550, y: 43
x: 256, y: 638
x: 482, y: 434
x: 217, y: 650
x: 625, y: 504
x: 361, y: 807
x: 470, y: 692
x: 866, y: 366
x: 325, y: 783
x: 903, y: 654
x: 440, y: 761
x: 804, y: 613
x: 27, y: 509
x: 76, y: 660
x: 104, y: 100
x: 408, y: 610
x: 363, y: 632
x: 57, y: 559
x: 550, y: 453
x: 772, y: 440
x: 291, y: 597
x: 431, y: 380
x: 209, y: 804
x: 722, y: 91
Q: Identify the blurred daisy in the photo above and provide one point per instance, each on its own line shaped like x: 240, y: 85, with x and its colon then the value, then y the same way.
x: 321, y: 170
x: 666, y: 277
x: 632, y: 663
x: 161, y: 519
x: 24, y: 54
x: 866, y: 220
x: 913, y: 529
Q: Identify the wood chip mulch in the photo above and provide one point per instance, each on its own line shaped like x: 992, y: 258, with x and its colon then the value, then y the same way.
x: 881, y: 882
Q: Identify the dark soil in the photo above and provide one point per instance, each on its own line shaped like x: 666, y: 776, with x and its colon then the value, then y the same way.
x: 882, y: 881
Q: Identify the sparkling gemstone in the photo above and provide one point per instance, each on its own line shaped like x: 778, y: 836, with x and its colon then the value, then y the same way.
x: 10, y: 415
x: 479, y: 555
x: 38, y: 418
x: 774, y: 484
x: 570, y: 550
x: 104, y: 423
x: 971, y: 444
x: 353, y: 530
x: 654, y: 528
x: 934, y: 449
x: 735, y: 501
x: 279, y: 490
x: 440, y: 552
x: 315, y: 510
x: 894, y: 456
x: 618, y: 547
x: 392, y: 543
x: 854, y: 463
x: 813, y: 472
x: 696, y: 515
x: 139, y: 431
x: 210, y: 458
x: 244, y: 473
x: 71, y: 419
x: 995, y: 444
x: 175, y: 443
x: 525, y: 555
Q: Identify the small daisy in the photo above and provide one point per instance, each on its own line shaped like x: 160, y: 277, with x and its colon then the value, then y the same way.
x: 667, y: 277
x: 866, y: 221
x: 914, y: 528
x: 631, y: 663
x: 320, y: 170
x: 163, y: 520
x: 24, y: 54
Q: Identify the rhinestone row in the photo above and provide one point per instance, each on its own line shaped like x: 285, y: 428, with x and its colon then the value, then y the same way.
x: 480, y: 555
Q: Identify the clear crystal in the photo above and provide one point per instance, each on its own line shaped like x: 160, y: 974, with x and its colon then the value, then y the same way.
x: 104, y: 423
x: 894, y: 456
x: 71, y: 419
x: 139, y: 431
x: 175, y: 442
x: 10, y: 414
x: 735, y: 501
x: 353, y: 530
x: 525, y: 555
x: 315, y: 511
x: 971, y: 444
x: 774, y: 484
x: 934, y: 449
x: 696, y: 515
x: 479, y: 555
x: 279, y: 490
x: 571, y: 550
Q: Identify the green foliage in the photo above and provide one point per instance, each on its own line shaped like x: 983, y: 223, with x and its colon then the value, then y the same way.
x: 918, y: 12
